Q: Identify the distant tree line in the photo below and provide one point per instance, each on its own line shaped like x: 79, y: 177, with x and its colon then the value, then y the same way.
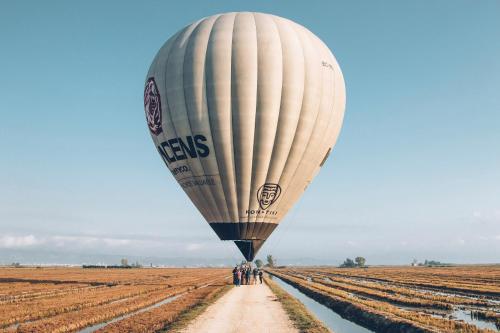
x: 357, y: 262
x: 124, y: 264
x: 107, y: 266
x: 434, y: 263
x: 430, y: 263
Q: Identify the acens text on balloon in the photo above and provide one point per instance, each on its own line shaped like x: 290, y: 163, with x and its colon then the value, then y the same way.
x: 178, y: 149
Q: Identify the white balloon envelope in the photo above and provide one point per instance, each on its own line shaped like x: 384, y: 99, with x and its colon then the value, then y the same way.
x: 244, y: 108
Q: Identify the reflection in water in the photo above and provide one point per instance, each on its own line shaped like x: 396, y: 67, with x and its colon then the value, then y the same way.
x: 472, y: 317
x: 331, y: 319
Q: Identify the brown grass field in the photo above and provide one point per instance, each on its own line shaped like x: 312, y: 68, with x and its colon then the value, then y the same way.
x: 71, y: 299
x: 383, y: 299
x: 406, y: 299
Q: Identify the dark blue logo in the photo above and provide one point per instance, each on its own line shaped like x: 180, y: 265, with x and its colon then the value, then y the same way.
x: 152, y: 106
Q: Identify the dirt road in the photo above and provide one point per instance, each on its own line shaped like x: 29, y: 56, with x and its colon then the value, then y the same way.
x: 251, y: 308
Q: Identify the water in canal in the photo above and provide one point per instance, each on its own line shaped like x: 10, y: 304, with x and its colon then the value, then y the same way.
x: 331, y: 319
x: 472, y: 318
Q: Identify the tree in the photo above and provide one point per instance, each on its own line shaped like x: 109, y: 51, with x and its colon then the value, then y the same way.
x: 360, y: 261
x: 259, y: 263
x: 433, y: 263
x: 124, y: 262
x: 348, y: 263
x: 271, y: 262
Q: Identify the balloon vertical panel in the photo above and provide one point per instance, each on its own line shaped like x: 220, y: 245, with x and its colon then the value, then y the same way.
x: 270, y: 79
x: 218, y: 92
x: 177, y: 112
x: 244, y: 75
x: 197, y: 109
x: 292, y: 92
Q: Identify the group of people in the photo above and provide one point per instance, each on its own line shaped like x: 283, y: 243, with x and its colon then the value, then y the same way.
x: 244, y: 273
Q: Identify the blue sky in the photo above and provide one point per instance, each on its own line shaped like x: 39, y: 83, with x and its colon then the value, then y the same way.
x: 415, y: 173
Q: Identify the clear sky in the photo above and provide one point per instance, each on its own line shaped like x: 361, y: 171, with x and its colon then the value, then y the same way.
x: 415, y: 173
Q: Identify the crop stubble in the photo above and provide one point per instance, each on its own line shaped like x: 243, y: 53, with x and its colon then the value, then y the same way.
x: 69, y: 299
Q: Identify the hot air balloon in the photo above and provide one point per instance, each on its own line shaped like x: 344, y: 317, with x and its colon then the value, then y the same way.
x: 244, y: 108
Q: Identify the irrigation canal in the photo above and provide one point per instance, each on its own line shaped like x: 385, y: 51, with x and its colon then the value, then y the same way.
x: 330, y: 318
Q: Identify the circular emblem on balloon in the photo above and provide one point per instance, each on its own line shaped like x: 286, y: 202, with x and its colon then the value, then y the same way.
x: 152, y: 106
x: 268, y: 194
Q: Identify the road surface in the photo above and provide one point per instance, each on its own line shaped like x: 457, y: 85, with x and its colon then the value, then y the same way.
x: 252, y: 308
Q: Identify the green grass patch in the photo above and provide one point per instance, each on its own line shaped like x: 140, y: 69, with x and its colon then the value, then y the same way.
x: 302, y: 319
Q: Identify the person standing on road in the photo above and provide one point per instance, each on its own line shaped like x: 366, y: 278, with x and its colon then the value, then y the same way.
x: 261, y: 277
x: 238, y: 278
x: 247, y: 275
x: 235, y: 275
x: 255, y: 273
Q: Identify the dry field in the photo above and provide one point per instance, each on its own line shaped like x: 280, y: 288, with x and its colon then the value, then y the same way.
x: 409, y: 299
x: 73, y: 299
